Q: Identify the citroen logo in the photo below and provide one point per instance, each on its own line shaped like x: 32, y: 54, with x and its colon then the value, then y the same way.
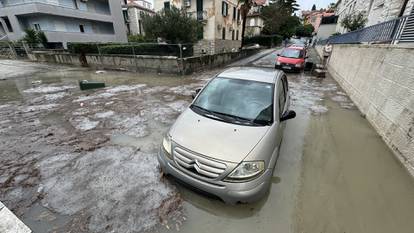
x: 196, y: 163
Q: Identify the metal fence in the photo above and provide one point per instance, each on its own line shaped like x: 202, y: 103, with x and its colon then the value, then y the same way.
x: 133, y: 49
x: 386, y: 32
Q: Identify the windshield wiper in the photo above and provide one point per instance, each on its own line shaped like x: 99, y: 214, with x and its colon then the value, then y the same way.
x: 207, y: 112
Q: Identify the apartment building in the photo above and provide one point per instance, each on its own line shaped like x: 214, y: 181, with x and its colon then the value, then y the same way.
x: 376, y: 11
x: 64, y: 21
x: 221, y: 20
x: 315, y: 17
x: 254, y: 21
x: 132, y: 10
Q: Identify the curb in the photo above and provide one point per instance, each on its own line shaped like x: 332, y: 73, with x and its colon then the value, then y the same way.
x: 10, y: 223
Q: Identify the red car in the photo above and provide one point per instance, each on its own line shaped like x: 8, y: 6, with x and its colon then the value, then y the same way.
x: 291, y: 59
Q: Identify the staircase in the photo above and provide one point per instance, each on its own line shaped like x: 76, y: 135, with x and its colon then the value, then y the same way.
x: 407, y: 35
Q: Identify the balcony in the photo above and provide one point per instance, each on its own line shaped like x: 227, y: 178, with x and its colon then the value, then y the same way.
x: 199, y: 15
x: 23, y: 2
x: 47, y: 7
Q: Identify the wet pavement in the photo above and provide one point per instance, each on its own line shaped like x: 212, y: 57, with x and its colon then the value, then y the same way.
x: 73, y: 161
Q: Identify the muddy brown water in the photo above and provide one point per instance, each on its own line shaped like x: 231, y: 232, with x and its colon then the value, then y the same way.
x: 334, y: 173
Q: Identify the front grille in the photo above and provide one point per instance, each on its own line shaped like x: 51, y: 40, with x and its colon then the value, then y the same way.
x: 198, y: 165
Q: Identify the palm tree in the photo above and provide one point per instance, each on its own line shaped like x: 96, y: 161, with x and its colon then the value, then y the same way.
x: 245, y: 6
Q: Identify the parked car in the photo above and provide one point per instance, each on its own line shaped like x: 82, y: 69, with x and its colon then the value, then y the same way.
x: 227, y: 141
x: 291, y: 59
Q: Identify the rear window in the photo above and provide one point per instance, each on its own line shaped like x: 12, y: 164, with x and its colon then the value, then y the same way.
x: 292, y: 53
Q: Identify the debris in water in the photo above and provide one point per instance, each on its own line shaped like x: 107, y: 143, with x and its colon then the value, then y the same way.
x: 100, y: 72
x: 87, y: 85
x: 319, y: 109
x: 37, y: 82
x: 48, y: 89
x: 83, y: 123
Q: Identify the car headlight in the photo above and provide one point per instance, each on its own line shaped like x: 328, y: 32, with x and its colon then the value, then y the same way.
x: 278, y: 63
x: 299, y: 65
x: 246, y: 171
x: 166, y: 145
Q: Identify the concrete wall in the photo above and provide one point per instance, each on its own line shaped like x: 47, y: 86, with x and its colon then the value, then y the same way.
x: 159, y: 64
x: 325, y: 31
x: 379, y: 79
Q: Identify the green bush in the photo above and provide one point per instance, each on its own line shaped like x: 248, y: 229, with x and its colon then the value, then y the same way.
x: 264, y: 40
x: 138, y: 38
x: 83, y: 48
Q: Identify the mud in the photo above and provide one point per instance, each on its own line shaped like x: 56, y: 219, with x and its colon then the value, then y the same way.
x: 62, y: 168
x: 73, y: 161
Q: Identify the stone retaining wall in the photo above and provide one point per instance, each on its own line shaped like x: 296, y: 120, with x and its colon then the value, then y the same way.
x: 380, y: 80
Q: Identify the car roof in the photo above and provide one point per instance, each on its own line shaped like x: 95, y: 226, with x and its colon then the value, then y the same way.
x: 267, y: 75
x: 295, y: 47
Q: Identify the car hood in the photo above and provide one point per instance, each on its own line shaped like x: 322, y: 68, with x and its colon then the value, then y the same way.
x: 289, y: 60
x: 215, y: 139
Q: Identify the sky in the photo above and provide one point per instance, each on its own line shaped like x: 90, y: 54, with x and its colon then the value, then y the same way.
x: 307, y: 4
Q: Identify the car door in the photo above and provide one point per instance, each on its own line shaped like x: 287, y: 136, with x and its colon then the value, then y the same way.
x: 281, y: 105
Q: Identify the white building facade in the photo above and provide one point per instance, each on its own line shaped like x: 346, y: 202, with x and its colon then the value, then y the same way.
x: 64, y: 21
x: 376, y: 11
x: 221, y: 19
x: 132, y: 14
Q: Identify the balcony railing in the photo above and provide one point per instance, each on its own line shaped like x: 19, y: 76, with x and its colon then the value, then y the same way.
x: 386, y: 32
x: 48, y: 2
x: 199, y: 15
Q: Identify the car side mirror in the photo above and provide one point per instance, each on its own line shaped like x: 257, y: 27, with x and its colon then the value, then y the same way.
x: 196, y: 92
x: 306, y: 57
x: 288, y: 115
x: 278, y: 54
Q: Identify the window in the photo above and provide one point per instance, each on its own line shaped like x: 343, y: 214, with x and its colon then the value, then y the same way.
x: 237, y: 35
x: 223, y: 33
x: 237, y: 101
x: 232, y: 35
x: 8, y: 24
x: 234, y: 13
x: 224, y: 8
x: 167, y: 5
x: 140, y: 26
x: 238, y: 15
x: 81, y: 28
x: 126, y: 16
x: 281, y: 97
x: 37, y: 27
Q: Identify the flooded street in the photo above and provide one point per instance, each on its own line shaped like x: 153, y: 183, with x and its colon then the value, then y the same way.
x: 85, y: 161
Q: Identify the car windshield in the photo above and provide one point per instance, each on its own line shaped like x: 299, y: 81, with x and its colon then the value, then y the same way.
x: 291, y: 53
x: 236, y: 101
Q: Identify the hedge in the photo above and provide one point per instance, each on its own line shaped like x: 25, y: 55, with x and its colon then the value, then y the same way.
x: 130, y: 49
x: 264, y: 40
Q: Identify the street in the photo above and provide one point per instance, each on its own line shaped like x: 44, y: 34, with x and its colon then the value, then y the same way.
x: 85, y: 161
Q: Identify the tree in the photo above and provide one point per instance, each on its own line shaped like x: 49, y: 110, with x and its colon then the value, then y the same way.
x: 314, y: 7
x: 245, y: 6
x: 354, y: 21
x: 173, y: 25
x: 278, y: 18
x: 31, y: 36
x: 34, y: 37
x: 304, y: 30
x: 41, y: 37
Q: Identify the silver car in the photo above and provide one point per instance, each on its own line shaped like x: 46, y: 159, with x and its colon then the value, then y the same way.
x: 227, y: 141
